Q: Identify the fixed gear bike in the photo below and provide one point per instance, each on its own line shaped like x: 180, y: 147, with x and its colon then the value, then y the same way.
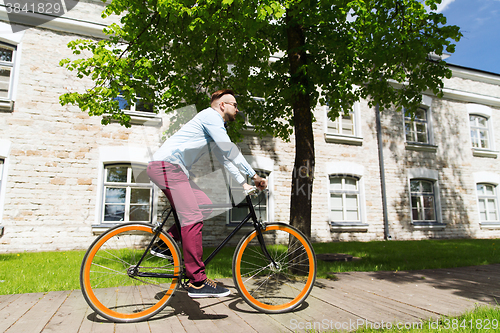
x: 274, y: 268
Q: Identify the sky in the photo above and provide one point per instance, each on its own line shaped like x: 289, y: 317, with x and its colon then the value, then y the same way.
x: 479, y: 22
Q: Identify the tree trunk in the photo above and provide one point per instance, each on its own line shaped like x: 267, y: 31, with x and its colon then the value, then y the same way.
x: 303, y: 172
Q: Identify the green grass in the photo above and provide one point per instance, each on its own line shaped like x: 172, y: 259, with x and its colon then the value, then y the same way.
x: 49, y: 271
x: 39, y: 271
x: 410, y: 255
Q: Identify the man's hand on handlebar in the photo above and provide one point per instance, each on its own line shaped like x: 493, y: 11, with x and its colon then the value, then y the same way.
x: 260, y: 182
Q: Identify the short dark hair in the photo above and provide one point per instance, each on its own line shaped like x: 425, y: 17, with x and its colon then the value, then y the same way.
x: 219, y: 93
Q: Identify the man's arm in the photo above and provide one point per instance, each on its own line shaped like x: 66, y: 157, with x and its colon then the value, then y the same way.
x: 231, y: 155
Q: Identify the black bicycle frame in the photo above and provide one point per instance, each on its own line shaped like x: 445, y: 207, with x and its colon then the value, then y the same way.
x: 251, y: 215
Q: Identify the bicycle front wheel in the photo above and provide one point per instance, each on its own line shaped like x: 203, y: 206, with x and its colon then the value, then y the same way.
x: 112, y: 283
x: 274, y: 288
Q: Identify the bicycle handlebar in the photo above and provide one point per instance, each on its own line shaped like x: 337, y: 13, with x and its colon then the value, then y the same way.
x: 253, y: 191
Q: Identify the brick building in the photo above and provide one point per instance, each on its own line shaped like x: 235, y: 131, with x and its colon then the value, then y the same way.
x: 64, y: 177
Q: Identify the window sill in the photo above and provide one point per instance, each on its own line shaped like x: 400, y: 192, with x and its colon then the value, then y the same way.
x: 348, y: 227
x: 98, y: 229
x: 248, y: 129
x: 6, y: 105
x: 415, y: 146
x: 345, y: 139
x: 489, y: 225
x: 429, y: 225
x: 478, y: 152
x: 143, y: 118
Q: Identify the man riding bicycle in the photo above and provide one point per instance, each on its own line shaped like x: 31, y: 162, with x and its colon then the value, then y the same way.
x: 170, y: 171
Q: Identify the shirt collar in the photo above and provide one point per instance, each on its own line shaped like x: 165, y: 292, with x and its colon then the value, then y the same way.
x: 225, y: 123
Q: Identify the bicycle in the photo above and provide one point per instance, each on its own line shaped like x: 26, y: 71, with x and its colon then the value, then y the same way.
x: 274, y: 268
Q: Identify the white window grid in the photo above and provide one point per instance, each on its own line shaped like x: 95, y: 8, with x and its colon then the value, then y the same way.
x: 126, y: 197
x: 423, y: 202
x: 488, y: 202
x: 417, y: 126
x: 479, y: 130
x: 138, y: 106
x: 344, y: 199
x: 343, y: 125
x: 7, y: 59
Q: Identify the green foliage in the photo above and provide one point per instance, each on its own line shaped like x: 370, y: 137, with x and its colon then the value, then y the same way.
x: 174, y: 53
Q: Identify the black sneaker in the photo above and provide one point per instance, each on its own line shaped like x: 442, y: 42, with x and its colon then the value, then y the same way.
x: 208, y: 289
x: 161, y: 250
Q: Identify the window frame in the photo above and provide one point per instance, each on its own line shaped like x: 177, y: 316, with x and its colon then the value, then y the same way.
x: 133, y: 108
x: 138, y: 117
x: 344, y: 193
x: 351, y: 139
x: 433, y: 177
x: 11, y: 65
x: 13, y: 43
x: 352, y: 170
x: 478, y: 129
x: 430, y: 145
x: 413, y: 122
x: 482, y: 111
x: 488, y: 197
x: 235, y: 187
x: 338, y: 124
x: 128, y: 185
x: 422, y: 195
x: 248, y: 127
x: 264, y: 164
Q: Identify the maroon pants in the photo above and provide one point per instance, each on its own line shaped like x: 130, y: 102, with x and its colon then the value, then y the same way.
x: 185, y: 196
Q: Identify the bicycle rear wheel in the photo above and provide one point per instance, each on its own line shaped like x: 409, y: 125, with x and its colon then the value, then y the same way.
x: 107, y: 277
x: 273, y: 289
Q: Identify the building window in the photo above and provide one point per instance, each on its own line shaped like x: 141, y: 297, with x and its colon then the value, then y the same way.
x: 139, y: 105
x: 344, y: 199
x: 261, y: 202
x: 7, y: 57
x: 127, y: 195
x: 479, y: 131
x: 416, y: 126
x: 345, y: 128
x: 487, y: 201
x: 343, y: 125
x: 423, y: 207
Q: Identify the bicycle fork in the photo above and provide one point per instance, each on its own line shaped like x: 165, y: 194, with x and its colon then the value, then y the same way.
x: 264, y: 249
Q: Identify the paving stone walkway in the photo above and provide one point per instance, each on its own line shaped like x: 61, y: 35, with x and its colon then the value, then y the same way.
x: 354, y: 300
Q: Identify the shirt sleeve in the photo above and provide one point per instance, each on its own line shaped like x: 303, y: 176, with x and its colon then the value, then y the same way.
x: 227, y: 152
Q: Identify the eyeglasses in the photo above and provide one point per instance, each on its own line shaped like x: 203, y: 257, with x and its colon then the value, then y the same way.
x: 233, y: 104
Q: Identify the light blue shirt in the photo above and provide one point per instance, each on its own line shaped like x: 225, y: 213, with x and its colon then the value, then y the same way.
x: 203, y: 134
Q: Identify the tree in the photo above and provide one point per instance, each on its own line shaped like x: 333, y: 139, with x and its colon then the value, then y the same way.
x: 292, y: 53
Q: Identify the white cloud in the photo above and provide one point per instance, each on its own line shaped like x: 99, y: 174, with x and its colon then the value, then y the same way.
x: 443, y: 5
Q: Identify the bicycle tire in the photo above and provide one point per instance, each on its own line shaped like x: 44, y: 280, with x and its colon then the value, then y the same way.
x: 269, y: 289
x: 104, y: 275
